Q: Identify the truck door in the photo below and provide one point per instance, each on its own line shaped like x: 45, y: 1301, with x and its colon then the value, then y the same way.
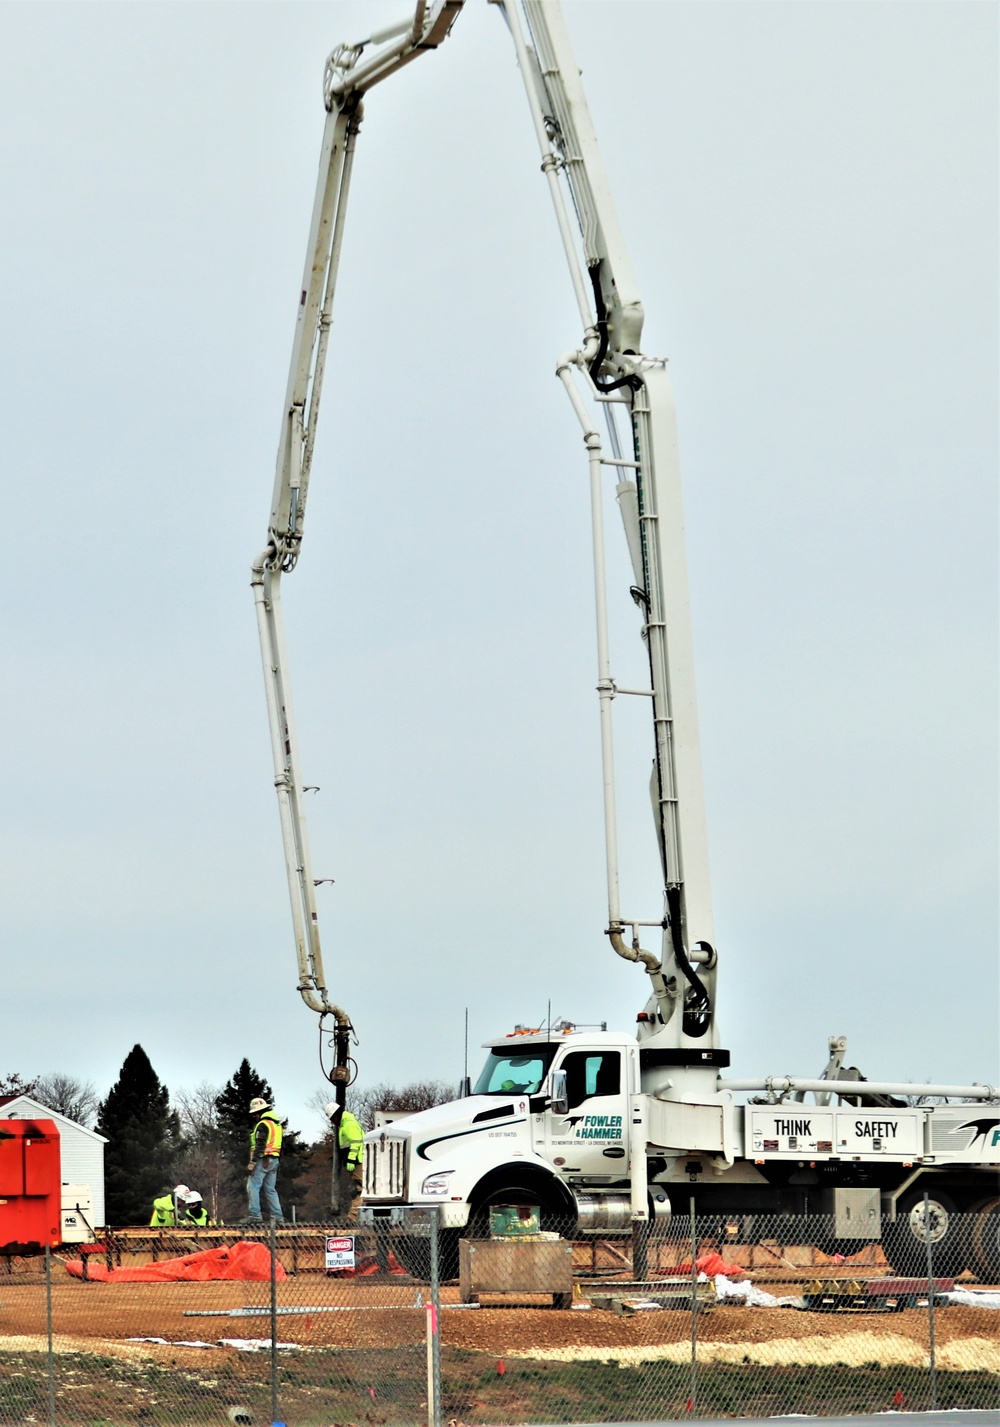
x: 591, y: 1136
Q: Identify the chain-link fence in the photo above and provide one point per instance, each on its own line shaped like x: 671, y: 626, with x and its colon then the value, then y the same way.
x: 536, y: 1321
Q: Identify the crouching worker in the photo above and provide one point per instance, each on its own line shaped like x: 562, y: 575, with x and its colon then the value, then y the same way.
x: 194, y: 1213
x: 165, y: 1207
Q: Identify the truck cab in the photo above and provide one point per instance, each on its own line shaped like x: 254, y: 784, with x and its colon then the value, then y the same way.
x: 578, y: 1086
x: 547, y: 1121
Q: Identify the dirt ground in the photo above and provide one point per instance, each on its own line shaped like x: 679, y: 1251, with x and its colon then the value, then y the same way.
x: 99, y: 1318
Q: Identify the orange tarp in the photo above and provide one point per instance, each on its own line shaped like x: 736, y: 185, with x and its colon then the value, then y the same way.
x: 711, y: 1264
x: 247, y: 1261
x: 366, y: 1264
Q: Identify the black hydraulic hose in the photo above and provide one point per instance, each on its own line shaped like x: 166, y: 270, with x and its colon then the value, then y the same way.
x: 697, y: 1014
x: 633, y: 381
x: 340, y: 1076
x: 697, y: 1009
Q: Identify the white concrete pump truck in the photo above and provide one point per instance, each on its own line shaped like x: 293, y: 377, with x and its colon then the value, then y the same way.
x: 609, y: 1130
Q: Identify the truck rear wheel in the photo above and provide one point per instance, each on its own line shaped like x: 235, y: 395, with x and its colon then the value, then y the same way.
x: 904, y: 1242
x: 984, y: 1240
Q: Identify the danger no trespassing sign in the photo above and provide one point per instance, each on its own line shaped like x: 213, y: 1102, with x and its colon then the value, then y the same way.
x: 339, y: 1252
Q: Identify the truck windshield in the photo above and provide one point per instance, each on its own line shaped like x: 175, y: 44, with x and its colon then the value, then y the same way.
x: 507, y: 1073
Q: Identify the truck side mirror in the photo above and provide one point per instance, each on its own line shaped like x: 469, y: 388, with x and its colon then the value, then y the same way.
x: 558, y: 1097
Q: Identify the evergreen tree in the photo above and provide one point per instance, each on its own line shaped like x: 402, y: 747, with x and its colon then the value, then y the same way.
x: 143, y: 1136
x: 293, y: 1177
x: 235, y: 1124
x: 235, y: 1119
x: 316, y: 1182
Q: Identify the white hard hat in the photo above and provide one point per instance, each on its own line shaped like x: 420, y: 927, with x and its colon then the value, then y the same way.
x: 258, y: 1104
x: 331, y: 1108
x: 181, y: 1191
x: 192, y: 1197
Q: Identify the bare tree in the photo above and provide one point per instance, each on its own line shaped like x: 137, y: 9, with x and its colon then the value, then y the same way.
x: 317, y: 1101
x: 203, y: 1163
x: 197, y: 1110
x: 418, y: 1095
x: 77, y: 1099
x: 13, y: 1084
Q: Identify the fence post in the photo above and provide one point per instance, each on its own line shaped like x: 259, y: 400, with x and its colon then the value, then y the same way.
x: 693, y: 1397
x: 272, y: 1235
x: 434, y: 1414
x: 930, y: 1299
x: 640, y: 1254
x: 48, y: 1320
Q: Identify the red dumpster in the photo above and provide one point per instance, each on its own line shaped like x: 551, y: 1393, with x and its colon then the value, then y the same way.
x: 30, y: 1186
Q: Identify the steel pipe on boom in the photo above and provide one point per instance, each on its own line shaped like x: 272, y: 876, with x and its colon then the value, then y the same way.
x: 347, y: 79
x: 778, y: 1086
x: 680, y: 1015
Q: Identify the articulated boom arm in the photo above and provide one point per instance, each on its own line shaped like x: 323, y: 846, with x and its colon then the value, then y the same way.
x: 619, y: 378
x: 348, y: 76
x: 609, y: 367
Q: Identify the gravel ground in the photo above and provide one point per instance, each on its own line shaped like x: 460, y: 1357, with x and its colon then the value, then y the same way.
x: 100, y: 1317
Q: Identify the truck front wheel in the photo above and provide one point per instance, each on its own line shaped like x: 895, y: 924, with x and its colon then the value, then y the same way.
x: 554, y: 1215
x: 415, y: 1254
x: 904, y: 1242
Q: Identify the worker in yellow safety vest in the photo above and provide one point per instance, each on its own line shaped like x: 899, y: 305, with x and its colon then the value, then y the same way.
x: 165, y: 1207
x: 265, y: 1153
x: 194, y: 1211
x: 350, y: 1155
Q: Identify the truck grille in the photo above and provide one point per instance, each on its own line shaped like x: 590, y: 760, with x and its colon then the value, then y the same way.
x: 385, y: 1168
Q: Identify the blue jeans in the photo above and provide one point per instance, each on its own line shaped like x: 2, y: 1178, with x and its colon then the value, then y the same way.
x: 265, y: 1172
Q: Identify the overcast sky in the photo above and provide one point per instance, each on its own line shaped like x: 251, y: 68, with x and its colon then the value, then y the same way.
x: 808, y: 192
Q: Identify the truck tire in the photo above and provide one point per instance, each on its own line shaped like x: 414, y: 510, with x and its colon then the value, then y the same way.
x: 904, y: 1243
x: 984, y: 1241
x: 554, y: 1216
x: 415, y: 1255
x: 843, y: 1248
x: 817, y: 1229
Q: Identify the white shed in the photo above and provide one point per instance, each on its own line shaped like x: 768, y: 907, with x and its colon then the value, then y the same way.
x: 81, y: 1154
